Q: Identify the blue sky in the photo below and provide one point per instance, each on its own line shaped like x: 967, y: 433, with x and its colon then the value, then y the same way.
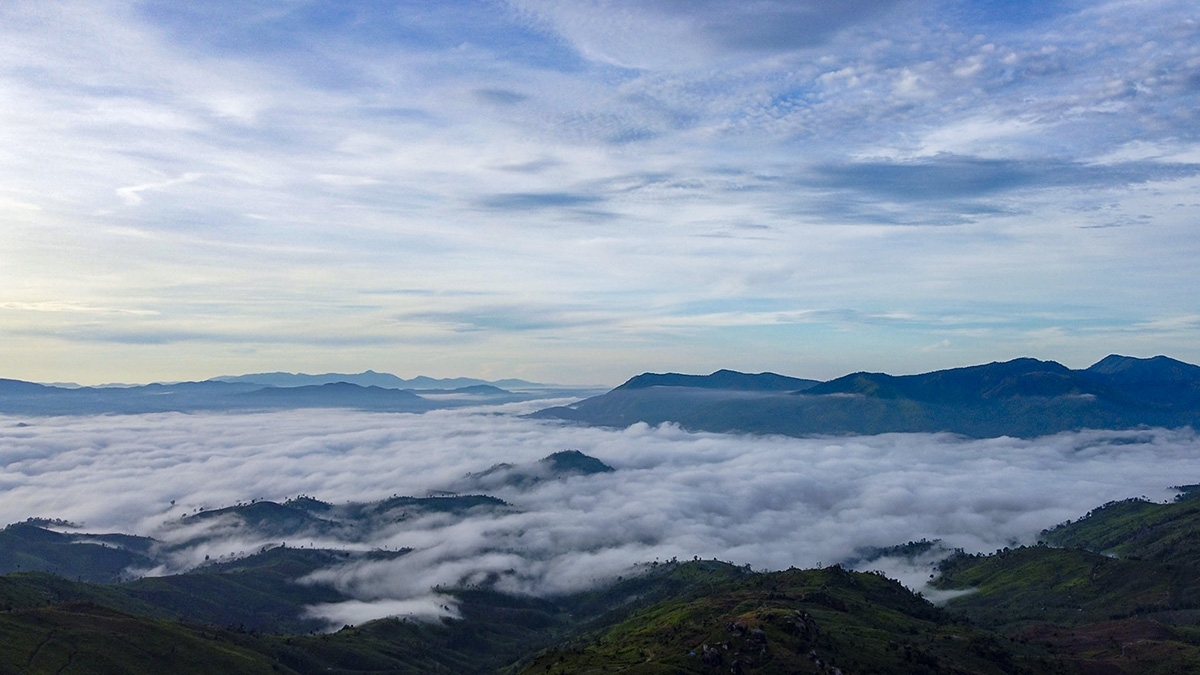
x: 582, y: 191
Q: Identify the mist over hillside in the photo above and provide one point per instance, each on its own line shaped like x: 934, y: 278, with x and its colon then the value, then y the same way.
x: 771, y: 502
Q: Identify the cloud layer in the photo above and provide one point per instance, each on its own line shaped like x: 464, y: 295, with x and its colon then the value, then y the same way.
x: 770, y: 502
x: 582, y: 191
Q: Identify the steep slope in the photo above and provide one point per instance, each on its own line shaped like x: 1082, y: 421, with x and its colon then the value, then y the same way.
x: 1123, y: 594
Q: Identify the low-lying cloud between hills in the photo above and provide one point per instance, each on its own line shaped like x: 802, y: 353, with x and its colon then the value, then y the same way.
x: 770, y: 502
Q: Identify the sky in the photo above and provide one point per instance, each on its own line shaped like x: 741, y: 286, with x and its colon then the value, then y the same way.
x: 770, y: 502
x: 581, y: 191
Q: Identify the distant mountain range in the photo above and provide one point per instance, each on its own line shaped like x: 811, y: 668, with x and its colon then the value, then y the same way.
x: 370, y: 378
x: 1023, y: 397
x: 18, y: 397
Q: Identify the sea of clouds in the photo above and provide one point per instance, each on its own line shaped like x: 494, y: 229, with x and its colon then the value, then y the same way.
x: 769, y: 502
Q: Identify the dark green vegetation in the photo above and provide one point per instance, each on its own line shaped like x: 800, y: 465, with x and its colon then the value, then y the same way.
x: 257, y: 592
x: 1119, y: 588
x: 46, y: 622
x: 105, y: 558
x: 694, y: 617
x: 556, y: 466
x: 350, y: 522
x: 83, y: 638
x: 29, y: 546
x: 1114, y: 592
x: 1024, y: 398
x: 574, y: 462
x: 810, y: 621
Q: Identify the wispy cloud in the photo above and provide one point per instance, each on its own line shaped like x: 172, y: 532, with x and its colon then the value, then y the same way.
x: 533, y: 201
x: 606, y: 154
x: 132, y: 194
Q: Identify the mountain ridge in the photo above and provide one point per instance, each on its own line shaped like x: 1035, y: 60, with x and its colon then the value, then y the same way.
x: 372, y: 378
x: 1022, y: 397
x: 721, y: 379
x: 18, y: 397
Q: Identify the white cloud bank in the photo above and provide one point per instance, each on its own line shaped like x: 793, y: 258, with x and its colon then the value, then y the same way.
x: 770, y: 502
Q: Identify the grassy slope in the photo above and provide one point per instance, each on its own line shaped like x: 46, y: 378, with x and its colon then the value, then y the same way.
x: 257, y: 593
x: 27, y: 547
x: 1124, y: 596
x: 1136, y: 528
x: 790, y: 622
x: 86, y: 638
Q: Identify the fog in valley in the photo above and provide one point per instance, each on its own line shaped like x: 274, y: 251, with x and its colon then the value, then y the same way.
x: 767, y: 502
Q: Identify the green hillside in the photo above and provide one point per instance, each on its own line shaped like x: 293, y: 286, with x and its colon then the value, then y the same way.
x: 30, y: 547
x: 798, y: 621
x: 76, y: 638
x: 1115, y: 592
x: 1118, y: 587
x: 1136, y: 528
